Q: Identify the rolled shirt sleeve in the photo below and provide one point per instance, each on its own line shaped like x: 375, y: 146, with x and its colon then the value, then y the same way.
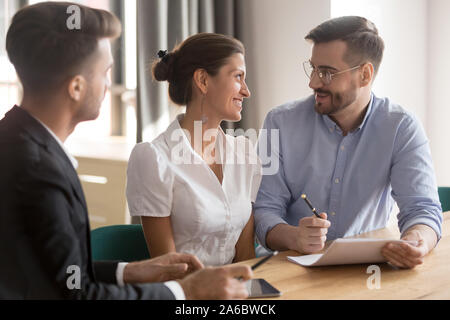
x: 413, y: 180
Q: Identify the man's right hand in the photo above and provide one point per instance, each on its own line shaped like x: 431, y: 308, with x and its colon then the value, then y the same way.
x: 217, y: 283
x: 312, y: 233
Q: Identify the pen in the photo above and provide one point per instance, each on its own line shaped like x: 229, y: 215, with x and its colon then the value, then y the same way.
x: 311, y: 206
x: 260, y: 262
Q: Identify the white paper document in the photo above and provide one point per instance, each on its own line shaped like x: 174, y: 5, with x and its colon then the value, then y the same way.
x: 348, y: 251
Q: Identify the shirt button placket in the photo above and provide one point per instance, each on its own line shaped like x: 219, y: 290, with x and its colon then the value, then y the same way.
x: 341, y: 160
x: 227, y: 230
x: 228, y: 213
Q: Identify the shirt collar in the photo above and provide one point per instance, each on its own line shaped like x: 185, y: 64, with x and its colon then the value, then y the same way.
x: 175, y: 126
x: 368, y: 112
x: 173, y: 141
x: 332, y: 126
x: 71, y: 158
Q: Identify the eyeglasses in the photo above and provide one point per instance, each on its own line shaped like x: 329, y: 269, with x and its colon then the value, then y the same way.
x: 324, y: 75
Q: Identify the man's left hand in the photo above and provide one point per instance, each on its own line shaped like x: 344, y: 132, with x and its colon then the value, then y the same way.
x: 405, y: 255
x: 167, y: 267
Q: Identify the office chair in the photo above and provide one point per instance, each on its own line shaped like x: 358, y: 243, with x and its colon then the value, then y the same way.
x: 444, y: 197
x: 119, y: 242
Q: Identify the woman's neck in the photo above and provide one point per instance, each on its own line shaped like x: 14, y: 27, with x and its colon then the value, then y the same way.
x: 202, y: 127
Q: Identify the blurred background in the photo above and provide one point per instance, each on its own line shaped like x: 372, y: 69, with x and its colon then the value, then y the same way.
x: 414, y: 73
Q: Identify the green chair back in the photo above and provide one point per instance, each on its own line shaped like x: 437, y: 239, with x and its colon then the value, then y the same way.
x: 444, y: 197
x: 119, y: 242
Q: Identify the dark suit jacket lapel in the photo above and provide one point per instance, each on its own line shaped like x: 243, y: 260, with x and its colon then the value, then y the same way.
x: 40, y: 134
x: 71, y: 174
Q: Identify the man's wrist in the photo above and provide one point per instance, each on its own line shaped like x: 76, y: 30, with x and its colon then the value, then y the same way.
x: 186, y: 287
x: 424, y: 232
x: 130, y: 273
x: 126, y: 273
x: 282, y: 237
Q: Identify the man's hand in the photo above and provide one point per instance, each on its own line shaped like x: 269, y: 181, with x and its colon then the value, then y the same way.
x: 404, y: 255
x: 217, y: 283
x: 170, y: 266
x: 311, y: 235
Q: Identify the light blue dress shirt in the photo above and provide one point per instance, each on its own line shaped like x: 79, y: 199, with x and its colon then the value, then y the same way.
x: 355, y: 179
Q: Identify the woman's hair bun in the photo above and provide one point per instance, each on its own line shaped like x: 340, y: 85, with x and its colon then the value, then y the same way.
x: 162, y: 67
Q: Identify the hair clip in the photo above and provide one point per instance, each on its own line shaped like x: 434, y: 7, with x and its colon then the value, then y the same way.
x: 163, y: 55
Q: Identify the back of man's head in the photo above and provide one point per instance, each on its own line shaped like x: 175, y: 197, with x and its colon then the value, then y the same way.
x: 47, y: 50
x: 361, y: 36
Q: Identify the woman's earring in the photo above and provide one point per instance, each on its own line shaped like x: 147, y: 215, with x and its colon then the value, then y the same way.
x: 204, y: 118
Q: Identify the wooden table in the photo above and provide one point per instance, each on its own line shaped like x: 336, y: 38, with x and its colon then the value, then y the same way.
x: 430, y: 280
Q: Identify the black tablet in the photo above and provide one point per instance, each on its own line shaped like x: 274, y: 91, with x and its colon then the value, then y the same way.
x: 260, y: 288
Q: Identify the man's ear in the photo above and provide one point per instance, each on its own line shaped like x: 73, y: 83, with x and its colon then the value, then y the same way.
x: 367, y: 74
x: 200, y: 79
x: 77, y: 88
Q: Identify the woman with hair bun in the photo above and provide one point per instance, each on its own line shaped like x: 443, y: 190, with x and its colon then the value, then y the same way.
x: 193, y: 186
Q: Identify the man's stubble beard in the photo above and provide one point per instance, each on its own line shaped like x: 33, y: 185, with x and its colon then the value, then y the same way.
x: 339, y: 101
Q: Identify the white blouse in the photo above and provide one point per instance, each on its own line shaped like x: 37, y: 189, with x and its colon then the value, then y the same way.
x: 168, y: 178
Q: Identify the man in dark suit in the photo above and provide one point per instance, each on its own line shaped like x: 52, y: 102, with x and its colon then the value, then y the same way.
x: 44, y: 227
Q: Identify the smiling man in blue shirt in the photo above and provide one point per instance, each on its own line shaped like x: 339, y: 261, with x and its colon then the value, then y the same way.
x: 353, y: 154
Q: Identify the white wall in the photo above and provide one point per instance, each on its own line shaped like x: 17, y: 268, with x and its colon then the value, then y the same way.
x: 403, y: 26
x: 438, y: 113
x: 274, y: 38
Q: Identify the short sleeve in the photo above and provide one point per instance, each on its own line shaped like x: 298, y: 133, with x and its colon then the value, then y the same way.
x: 149, y: 182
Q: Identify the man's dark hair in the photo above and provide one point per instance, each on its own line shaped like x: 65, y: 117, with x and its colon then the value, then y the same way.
x: 361, y: 36
x: 46, y: 52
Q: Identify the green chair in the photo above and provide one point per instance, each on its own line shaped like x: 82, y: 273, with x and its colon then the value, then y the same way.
x: 444, y: 197
x: 119, y: 242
